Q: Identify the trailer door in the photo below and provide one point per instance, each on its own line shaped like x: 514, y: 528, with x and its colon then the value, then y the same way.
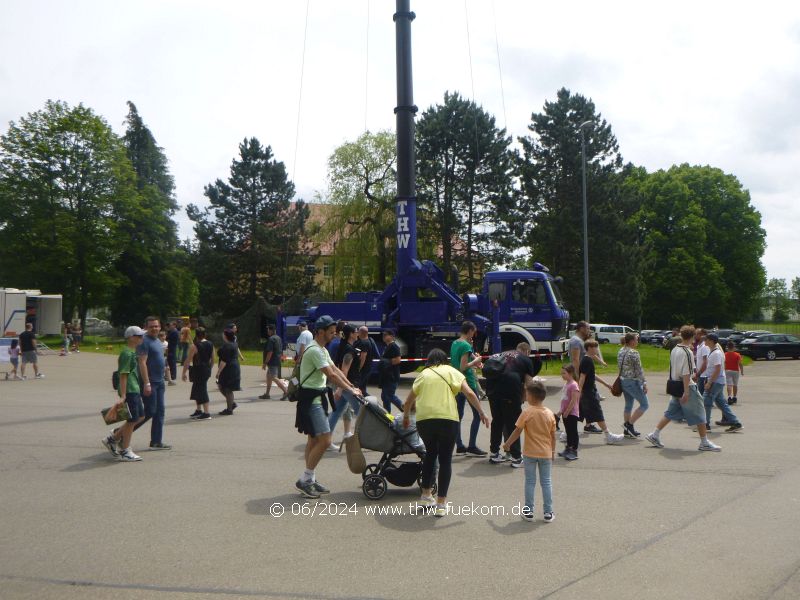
x: 48, y: 315
x: 12, y: 311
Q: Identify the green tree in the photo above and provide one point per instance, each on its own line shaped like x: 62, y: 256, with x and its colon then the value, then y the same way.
x: 465, y: 177
x: 155, y: 273
x: 249, y: 238
x: 705, y: 245
x: 65, y: 182
x: 549, y: 217
x: 776, y: 299
x: 796, y: 294
x: 362, y: 187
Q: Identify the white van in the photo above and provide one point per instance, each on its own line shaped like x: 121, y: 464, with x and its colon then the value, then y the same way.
x: 610, y: 334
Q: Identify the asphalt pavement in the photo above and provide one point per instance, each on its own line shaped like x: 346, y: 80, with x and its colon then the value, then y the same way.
x: 218, y: 516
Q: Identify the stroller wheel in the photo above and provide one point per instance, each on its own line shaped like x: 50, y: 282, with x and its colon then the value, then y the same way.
x: 369, y: 470
x: 374, y: 487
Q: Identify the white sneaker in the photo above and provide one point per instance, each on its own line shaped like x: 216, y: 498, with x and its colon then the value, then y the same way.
x: 426, y: 501
x: 40, y: 376
x: 347, y: 435
x: 614, y: 438
x: 333, y: 448
x: 128, y: 455
x: 709, y: 447
x: 562, y: 437
x: 171, y: 382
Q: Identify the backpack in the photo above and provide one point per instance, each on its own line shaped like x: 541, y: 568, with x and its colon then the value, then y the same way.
x: 497, y: 364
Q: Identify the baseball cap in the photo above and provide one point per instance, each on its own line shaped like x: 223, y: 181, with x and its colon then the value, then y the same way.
x: 133, y: 330
x: 324, y: 322
x: 712, y: 336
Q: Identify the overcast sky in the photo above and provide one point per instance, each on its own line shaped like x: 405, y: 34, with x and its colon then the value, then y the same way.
x: 708, y: 83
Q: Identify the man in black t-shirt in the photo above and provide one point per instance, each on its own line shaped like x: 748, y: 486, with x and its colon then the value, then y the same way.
x: 390, y: 372
x: 505, y: 394
x: 272, y: 363
x: 27, y: 347
x: 367, y: 352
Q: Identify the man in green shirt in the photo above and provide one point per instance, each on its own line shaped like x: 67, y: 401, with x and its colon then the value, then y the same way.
x: 317, y: 370
x: 461, y: 358
x: 129, y: 391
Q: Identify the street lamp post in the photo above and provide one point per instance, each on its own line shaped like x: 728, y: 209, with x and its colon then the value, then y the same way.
x: 581, y: 128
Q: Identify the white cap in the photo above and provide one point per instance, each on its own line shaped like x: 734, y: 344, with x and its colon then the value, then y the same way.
x: 133, y: 330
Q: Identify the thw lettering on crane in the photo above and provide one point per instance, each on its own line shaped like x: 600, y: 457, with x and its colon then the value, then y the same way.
x: 403, y: 231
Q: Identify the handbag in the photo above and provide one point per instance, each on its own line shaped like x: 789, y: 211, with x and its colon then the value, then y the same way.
x: 116, y: 413
x: 616, y: 387
x: 675, y: 387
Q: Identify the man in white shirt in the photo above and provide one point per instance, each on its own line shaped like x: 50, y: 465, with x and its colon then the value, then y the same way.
x: 303, y: 340
x: 715, y: 386
x: 681, y: 369
x: 700, y: 357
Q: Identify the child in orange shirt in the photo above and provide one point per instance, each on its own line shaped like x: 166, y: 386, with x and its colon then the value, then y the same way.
x: 733, y: 368
x: 539, y: 424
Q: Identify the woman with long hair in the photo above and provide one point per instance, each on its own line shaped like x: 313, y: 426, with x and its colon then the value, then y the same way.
x: 201, y: 359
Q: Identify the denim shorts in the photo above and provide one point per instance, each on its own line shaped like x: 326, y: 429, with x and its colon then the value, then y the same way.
x: 633, y: 389
x: 135, y: 407
x: 675, y: 412
x: 318, y: 420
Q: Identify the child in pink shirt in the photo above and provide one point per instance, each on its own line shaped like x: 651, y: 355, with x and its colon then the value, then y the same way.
x: 570, y: 411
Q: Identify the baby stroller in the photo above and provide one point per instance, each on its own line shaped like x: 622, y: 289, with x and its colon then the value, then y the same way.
x: 378, y: 430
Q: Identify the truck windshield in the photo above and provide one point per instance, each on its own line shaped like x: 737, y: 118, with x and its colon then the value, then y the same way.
x: 529, y: 292
x: 556, y: 292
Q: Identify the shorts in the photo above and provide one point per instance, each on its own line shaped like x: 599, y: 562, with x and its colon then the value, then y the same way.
x: 15, y: 362
x: 29, y: 357
x: 135, y: 407
x: 274, y: 370
x: 319, y: 421
x: 732, y: 378
x: 590, y: 408
x: 675, y: 412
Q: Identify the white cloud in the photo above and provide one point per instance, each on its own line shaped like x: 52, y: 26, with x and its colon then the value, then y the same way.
x: 704, y: 83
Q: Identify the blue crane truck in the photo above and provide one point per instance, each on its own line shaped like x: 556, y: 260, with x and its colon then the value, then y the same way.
x: 426, y: 313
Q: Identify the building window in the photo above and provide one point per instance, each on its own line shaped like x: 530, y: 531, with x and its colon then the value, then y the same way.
x: 347, y: 271
x: 327, y: 270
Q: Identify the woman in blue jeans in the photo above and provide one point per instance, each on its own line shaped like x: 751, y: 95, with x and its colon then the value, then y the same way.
x: 634, y: 386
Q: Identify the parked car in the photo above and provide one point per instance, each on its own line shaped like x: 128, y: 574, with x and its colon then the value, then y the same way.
x: 771, y: 346
x: 725, y: 335
x: 646, y: 335
x: 610, y: 334
x: 737, y: 338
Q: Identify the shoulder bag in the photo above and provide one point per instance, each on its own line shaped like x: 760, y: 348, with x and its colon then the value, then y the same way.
x: 675, y: 388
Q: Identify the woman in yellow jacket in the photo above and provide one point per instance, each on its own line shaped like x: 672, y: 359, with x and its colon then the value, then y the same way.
x: 433, y: 395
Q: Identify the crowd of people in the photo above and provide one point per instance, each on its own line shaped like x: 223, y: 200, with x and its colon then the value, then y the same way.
x: 336, y: 360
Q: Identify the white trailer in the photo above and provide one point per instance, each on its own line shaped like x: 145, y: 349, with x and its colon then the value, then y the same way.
x: 13, y: 308
x: 18, y: 307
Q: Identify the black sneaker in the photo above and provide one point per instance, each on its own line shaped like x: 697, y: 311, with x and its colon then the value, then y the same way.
x: 461, y: 450
x: 734, y: 427
x: 307, y: 489
x: 475, y: 451
x: 159, y: 446
x: 629, y: 431
x: 724, y: 423
x: 235, y: 406
x: 195, y: 414
x: 320, y: 489
x: 516, y: 463
x: 203, y: 417
x: 225, y: 413
x: 592, y: 428
x: 571, y: 455
x: 733, y: 400
x: 264, y: 397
